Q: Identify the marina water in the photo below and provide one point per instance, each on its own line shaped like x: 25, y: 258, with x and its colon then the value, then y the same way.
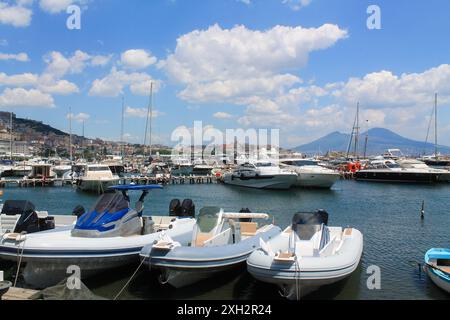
x: 388, y: 215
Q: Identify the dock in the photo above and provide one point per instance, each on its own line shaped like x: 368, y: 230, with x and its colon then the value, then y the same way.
x: 19, y: 294
x: 139, y: 180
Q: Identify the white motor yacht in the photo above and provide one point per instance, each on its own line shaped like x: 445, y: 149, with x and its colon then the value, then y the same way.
x: 310, y: 173
x: 261, y: 175
x: 96, y: 178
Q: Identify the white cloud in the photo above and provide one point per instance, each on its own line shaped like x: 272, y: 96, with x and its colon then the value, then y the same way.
x: 80, y: 117
x: 297, y: 4
x: 114, y: 83
x: 137, y: 59
x: 248, y: 67
x: 20, y: 97
x: 100, y: 60
x: 222, y: 115
x: 384, y: 89
x: 15, y: 15
x: 60, y: 87
x: 21, y: 57
x: 19, y: 80
x: 140, y: 113
x: 54, y: 6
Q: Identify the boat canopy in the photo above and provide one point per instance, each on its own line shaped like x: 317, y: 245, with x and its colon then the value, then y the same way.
x: 310, y: 218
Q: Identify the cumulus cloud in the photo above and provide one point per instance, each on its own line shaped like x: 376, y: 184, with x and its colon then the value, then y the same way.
x: 296, y: 4
x: 114, y: 83
x: 222, y: 115
x: 80, y: 117
x: 137, y: 59
x: 19, y: 80
x: 21, y: 57
x: 19, y: 97
x: 55, y: 6
x: 247, y: 67
x: 16, y: 14
x: 384, y: 89
x: 140, y: 113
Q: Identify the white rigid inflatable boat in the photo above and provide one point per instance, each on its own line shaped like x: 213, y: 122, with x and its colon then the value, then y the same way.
x: 110, y: 235
x: 307, y: 255
x: 220, y: 241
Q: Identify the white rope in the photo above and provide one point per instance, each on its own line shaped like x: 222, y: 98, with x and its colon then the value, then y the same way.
x: 129, y: 280
x: 20, y: 260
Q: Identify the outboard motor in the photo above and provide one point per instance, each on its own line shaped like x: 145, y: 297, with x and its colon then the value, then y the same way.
x: 78, y: 211
x: 188, y: 208
x: 175, y: 208
x: 245, y: 210
x: 28, y: 221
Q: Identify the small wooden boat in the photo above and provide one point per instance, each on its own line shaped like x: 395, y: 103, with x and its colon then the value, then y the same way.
x: 437, y: 266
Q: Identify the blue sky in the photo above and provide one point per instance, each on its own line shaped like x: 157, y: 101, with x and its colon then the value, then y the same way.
x: 300, y: 66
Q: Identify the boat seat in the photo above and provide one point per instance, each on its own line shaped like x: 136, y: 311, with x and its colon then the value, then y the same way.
x: 8, y: 223
x: 201, y: 239
x: 446, y: 269
x: 249, y: 229
x: 348, y: 232
x: 284, y: 257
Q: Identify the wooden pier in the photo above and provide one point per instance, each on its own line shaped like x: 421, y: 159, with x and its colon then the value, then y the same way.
x: 19, y: 294
x: 139, y: 180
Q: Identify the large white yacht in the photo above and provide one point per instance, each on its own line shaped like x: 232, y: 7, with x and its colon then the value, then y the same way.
x: 96, y: 178
x: 310, y: 173
x: 261, y: 175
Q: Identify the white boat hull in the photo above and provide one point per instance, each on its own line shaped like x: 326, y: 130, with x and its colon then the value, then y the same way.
x: 276, y: 181
x: 304, y: 275
x: 97, y: 185
x: 439, y: 281
x: 316, y: 180
x: 47, y: 255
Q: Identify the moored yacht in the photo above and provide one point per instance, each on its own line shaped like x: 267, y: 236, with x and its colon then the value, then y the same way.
x: 310, y: 173
x: 96, y: 178
x: 391, y: 171
x: 261, y: 175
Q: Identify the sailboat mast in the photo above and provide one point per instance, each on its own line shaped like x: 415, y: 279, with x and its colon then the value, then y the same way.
x: 70, y: 133
x: 149, y: 119
x: 357, y: 131
x: 122, y: 129
x: 367, y: 140
x: 10, y: 136
x: 435, y: 127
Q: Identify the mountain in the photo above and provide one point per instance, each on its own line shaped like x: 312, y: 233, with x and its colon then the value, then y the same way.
x: 379, y: 140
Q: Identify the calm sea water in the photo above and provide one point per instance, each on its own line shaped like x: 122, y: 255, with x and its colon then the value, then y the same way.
x: 388, y: 215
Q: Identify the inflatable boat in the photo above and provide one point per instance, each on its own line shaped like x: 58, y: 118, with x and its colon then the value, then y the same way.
x: 437, y: 266
x: 220, y: 242
x: 307, y: 255
x: 109, y: 235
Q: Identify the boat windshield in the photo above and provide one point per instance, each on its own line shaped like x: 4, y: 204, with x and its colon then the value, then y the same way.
x: 301, y: 163
x: 264, y: 164
x: 393, y: 165
x: 111, y: 202
x: 208, y: 219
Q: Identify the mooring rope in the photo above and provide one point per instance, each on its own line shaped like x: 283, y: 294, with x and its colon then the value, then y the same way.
x: 129, y: 280
x: 20, y: 260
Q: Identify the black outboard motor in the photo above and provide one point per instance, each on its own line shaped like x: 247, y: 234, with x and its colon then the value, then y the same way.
x: 188, y: 208
x: 245, y: 210
x: 28, y: 221
x: 78, y: 211
x: 175, y: 208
